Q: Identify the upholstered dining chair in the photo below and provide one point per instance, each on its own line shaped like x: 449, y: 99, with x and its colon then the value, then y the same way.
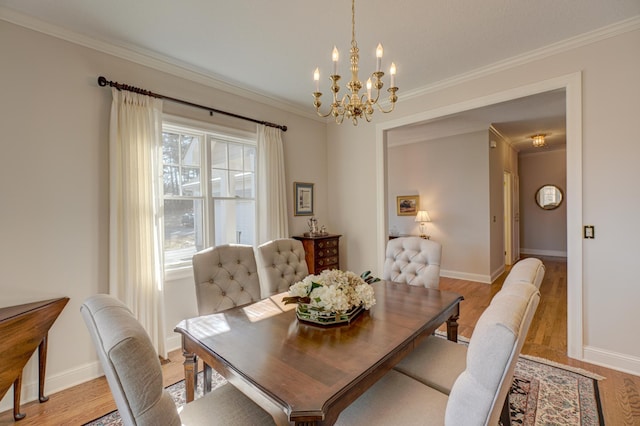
x: 478, y: 393
x: 225, y: 276
x: 414, y: 261
x: 438, y: 362
x: 133, y: 371
x: 281, y: 263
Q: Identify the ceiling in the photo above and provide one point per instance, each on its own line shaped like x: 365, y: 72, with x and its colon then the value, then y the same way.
x: 270, y: 48
x: 516, y: 120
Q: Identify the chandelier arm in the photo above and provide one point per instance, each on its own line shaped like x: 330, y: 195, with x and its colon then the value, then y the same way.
x: 323, y: 115
x: 375, y: 100
x: 393, y: 105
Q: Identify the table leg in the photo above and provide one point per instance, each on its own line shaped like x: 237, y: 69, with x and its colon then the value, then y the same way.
x: 452, y: 326
x: 17, y: 389
x: 42, y: 360
x: 190, y: 375
x: 208, y: 377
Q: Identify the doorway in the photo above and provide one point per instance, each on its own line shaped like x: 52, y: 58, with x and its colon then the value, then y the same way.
x: 572, y: 86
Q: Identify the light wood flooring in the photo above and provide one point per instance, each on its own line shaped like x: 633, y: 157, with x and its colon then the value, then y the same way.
x: 547, y: 338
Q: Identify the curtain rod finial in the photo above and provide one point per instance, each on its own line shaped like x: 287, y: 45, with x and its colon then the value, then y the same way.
x: 102, y: 81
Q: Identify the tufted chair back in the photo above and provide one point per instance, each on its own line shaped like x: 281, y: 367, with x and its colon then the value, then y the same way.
x: 478, y: 394
x: 134, y: 375
x: 529, y: 270
x: 130, y: 363
x: 414, y: 261
x: 225, y: 276
x: 281, y: 263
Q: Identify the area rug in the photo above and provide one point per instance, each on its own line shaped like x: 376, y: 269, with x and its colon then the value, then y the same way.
x: 543, y: 393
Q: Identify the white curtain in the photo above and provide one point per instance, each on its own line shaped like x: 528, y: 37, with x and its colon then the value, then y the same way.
x: 135, y: 235
x: 272, y: 195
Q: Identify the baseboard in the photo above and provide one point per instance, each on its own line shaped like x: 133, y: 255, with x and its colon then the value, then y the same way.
x: 616, y: 361
x: 497, y: 273
x: 486, y: 279
x: 536, y: 252
x: 173, y: 343
x: 53, y: 383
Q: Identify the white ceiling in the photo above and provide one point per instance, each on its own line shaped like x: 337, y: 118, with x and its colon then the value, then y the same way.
x: 272, y: 47
x: 516, y: 120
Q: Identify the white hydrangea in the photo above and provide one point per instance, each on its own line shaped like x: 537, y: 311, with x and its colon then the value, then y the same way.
x: 335, y: 291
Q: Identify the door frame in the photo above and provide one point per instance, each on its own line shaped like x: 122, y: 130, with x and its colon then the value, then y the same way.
x: 507, y: 194
x: 572, y: 85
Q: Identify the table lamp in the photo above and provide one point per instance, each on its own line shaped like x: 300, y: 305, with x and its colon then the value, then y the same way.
x: 422, y: 217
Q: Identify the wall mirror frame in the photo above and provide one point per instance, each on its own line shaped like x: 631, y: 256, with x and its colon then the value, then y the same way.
x: 549, y: 197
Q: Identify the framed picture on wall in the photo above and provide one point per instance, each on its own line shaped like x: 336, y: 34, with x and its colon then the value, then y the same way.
x: 408, y: 205
x: 303, y: 198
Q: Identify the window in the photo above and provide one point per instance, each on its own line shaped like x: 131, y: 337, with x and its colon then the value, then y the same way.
x: 209, y: 190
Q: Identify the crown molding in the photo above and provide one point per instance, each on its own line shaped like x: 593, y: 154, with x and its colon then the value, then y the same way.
x: 152, y: 60
x: 618, y: 28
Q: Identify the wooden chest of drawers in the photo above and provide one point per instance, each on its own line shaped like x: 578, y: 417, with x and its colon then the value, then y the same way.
x: 321, y: 252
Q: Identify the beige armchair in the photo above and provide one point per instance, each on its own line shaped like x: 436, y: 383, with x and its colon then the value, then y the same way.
x: 414, y: 261
x: 281, y: 263
x: 133, y: 371
x: 225, y: 276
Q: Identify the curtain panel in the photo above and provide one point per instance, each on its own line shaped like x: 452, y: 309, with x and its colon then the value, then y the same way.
x: 272, y: 196
x: 135, y: 234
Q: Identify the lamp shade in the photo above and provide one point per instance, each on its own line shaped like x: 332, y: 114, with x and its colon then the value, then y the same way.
x: 423, y: 216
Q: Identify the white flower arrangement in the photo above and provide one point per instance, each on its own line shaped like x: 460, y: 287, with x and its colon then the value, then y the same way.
x: 333, y: 291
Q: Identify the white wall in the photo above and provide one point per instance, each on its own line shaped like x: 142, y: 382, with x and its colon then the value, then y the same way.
x: 543, y: 232
x: 54, y: 181
x: 610, y: 149
x: 451, y: 175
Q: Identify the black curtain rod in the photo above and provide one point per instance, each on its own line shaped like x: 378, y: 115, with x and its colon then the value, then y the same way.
x: 104, y: 82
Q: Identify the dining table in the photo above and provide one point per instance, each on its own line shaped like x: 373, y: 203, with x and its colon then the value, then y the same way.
x: 306, y: 373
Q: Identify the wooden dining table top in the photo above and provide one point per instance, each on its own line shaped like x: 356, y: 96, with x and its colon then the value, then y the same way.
x: 313, y: 372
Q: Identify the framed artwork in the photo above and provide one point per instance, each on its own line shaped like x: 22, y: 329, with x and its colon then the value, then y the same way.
x: 303, y: 198
x: 408, y: 205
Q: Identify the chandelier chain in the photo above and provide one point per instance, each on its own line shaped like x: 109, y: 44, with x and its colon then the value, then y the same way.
x: 353, y: 24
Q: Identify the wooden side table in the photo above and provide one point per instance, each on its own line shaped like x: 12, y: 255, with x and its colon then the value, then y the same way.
x: 24, y: 329
x: 321, y: 251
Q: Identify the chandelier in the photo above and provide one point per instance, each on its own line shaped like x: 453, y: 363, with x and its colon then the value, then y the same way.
x: 538, y: 140
x: 353, y: 105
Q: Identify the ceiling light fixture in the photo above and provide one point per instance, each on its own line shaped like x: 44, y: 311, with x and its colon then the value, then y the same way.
x: 538, y: 140
x: 352, y: 105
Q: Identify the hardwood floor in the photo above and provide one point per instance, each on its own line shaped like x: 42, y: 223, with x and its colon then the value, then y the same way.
x: 547, y: 338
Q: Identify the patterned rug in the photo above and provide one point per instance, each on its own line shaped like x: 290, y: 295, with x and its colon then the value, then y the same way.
x: 546, y: 393
x: 543, y: 393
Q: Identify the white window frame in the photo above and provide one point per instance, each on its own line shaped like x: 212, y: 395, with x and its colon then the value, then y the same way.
x: 207, y: 131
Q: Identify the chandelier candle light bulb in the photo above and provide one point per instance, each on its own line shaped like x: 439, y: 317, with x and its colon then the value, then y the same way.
x: 392, y: 72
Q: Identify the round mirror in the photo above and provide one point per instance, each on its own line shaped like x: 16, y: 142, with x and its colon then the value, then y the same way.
x: 549, y: 197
